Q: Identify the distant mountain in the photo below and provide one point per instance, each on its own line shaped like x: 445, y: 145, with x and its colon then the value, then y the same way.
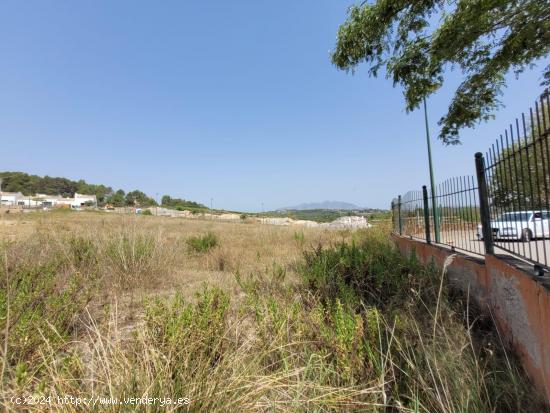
x: 323, y: 205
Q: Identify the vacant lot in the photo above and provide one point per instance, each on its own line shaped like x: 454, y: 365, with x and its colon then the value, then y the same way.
x: 235, y: 317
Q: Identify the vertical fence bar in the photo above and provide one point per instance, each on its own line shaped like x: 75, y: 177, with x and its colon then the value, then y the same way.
x: 515, y: 151
x: 426, y: 214
x: 538, y: 131
x: 400, y: 222
x: 524, y: 178
x: 508, y: 153
x: 437, y: 217
x: 393, y: 216
x: 484, y: 204
x: 529, y: 175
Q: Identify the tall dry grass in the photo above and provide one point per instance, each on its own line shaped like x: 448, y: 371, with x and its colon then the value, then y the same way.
x: 268, y: 319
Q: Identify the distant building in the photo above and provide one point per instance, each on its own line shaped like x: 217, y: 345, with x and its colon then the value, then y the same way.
x: 47, y: 201
x: 50, y: 201
x: 79, y: 200
x: 10, y: 198
x: 29, y: 201
x: 82, y: 200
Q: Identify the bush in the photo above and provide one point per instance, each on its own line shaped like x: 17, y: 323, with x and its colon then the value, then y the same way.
x: 40, y: 304
x: 300, y: 238
x: 146, y: 212
x: 203, y: 243
x: 131, y: 256
x: 374, y: 302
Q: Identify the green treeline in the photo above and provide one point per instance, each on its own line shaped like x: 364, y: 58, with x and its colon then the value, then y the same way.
x: 33, y: 184
x: 180, y: 204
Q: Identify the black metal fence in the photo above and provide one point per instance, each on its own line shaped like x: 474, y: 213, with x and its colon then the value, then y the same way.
x: 454, y: 223
x: 505, y: 209
x: 517, y: 171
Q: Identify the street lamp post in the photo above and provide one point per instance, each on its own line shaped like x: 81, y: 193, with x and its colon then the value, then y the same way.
x: 432, y: 180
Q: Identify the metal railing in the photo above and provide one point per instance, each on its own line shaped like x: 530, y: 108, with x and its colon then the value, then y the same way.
x: 517, y: 171
x: 457, y: 200
x: 457, y: 215
x: 506, y: 208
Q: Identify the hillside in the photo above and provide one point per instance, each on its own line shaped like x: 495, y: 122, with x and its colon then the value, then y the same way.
x: 334, y: 205
x: 326, y: 215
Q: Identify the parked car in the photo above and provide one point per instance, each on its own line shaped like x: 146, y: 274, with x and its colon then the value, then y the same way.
x: 519, y: 225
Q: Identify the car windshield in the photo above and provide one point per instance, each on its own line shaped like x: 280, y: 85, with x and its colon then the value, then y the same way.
x: 514, y: 217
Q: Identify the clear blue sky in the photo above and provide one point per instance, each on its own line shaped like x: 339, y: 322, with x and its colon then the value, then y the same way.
x: 235, y: 101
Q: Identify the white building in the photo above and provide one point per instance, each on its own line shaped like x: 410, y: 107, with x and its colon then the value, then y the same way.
x: 49, y: 201
x: 29, y: 201
x: 78, y: 201
x: 10, y: 198
x: 81, y: 200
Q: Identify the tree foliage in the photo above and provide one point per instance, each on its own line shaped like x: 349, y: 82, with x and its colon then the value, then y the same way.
x: 181, y: 204
x: 521, y: 174
x: 118, y: 199
x: 414, y: 41
x: 520, y: 177
x: 138, y: 198
x: 34, y: 184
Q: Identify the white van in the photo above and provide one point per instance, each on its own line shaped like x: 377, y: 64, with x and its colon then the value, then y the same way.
x: 521, y: 226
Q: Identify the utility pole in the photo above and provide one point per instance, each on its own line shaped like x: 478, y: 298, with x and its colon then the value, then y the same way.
x: 432, y: 180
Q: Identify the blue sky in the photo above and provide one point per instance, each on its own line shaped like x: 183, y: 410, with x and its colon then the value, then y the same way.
x: 235, y: 101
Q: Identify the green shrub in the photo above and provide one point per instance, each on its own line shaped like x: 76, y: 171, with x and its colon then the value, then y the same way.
x: 146, y: 212
x: 300, y: 238
x: 377, y: 320
x: 202, y: 243
x: 370, y: 269
x: 191, y: 337
x: 84, y: 252
x: 39, y: 305
x: 131, y: 256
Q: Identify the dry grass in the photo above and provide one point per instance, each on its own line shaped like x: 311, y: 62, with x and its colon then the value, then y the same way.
x: 135, y: 257
x: 268, y: 319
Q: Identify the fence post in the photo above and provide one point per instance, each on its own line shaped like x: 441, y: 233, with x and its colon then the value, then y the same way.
x: 426, y: 214
x: 393, y: 216
x: 399, y: 215
x: 484, y: 204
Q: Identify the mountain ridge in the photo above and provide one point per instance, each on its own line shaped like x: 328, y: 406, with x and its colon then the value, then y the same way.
x: 331, y: 205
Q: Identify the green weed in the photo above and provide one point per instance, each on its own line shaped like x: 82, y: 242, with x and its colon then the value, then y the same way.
x: 202, y: 243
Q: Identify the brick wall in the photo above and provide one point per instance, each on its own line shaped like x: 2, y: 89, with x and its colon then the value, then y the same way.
x: 518, y: 300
